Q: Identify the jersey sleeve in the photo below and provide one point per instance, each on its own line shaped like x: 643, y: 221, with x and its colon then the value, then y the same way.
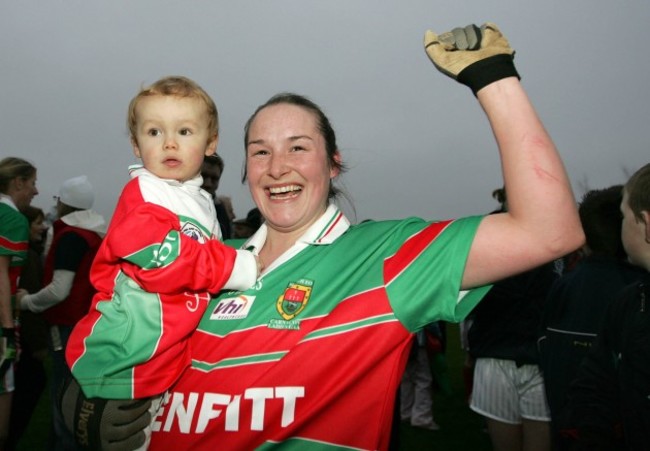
x: 161, y: 259
x: 423, y: 278
x: 14, y: 235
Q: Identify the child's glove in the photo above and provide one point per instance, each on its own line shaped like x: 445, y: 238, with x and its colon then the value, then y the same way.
x: 106, y: 424
x: 8, y: 351
x: 473, y: 56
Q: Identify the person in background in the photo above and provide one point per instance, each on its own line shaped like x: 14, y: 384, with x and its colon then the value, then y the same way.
x: 31, y: 377
x: 17, y: 189
x: 245, y: 228
x: 312, y: 355
x: 577, y: 302
x: 228, y: 207
x: 67, y: 291
x: 416, y: 388
x: 508, y: 388
x: 211, y: 171
x: 609, y: 400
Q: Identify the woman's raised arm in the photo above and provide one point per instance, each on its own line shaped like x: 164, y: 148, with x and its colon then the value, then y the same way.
x: 542, y: 222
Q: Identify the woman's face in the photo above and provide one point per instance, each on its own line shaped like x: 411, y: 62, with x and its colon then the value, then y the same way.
x: 36, y: 229
x: 24, y: 191
x: 288, y: 170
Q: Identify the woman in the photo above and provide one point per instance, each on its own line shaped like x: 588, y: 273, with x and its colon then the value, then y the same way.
x: 17, y: 189
x: 311, y: 357
x: 31, y: 377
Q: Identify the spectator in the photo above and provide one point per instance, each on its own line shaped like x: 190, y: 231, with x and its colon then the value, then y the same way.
x: 508, y: 389
x: 17, y: 189
x: 576, y: 304
x: 211, y: 172
x: 65, y: 298
x: 245, y: 228
x: 416, y: 394
x: 30, y: 374
x: 609, y: 400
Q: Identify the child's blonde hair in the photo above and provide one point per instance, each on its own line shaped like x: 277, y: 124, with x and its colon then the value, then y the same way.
x: 175, y: 86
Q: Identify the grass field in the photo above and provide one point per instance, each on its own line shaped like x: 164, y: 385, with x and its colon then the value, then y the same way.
x: 460, y: 428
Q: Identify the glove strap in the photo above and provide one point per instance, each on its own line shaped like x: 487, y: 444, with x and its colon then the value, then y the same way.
x: 481, y: 73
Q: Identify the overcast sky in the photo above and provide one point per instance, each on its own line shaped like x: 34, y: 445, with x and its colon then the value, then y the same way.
x: 416, y: 143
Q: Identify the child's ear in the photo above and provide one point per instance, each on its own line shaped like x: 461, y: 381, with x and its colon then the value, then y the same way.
x: 211, y: 148
x: 134, y: 145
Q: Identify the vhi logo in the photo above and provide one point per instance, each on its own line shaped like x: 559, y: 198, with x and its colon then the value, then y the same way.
x: 233, y: 308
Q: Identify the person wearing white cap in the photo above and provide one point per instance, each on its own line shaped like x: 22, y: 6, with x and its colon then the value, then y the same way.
x: 75, y: 238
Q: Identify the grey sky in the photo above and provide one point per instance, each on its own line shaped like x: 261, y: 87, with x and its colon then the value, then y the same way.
x: 416, y: 142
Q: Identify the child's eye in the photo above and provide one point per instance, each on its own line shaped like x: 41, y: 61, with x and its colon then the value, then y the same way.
x: 185, y: 132
x: 153, y: 132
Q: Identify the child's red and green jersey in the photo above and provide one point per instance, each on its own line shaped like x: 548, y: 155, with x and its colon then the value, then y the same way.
x: 311, y: 357
x: 14, y: 239
x: 154, y: 272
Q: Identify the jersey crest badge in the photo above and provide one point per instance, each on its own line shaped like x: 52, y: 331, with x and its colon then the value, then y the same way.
x: 294, y: 299
x: 193, y: 231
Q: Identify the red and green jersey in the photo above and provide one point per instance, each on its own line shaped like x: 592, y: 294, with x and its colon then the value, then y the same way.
x: 311, y: 357
x: 14, y: 239
x: 154, y: 273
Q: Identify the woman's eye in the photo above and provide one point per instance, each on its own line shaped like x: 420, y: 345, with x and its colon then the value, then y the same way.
x: 297, y: 148
x: 257, y: 152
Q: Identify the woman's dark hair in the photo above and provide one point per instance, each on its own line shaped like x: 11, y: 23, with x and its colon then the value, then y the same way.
x: 32, y: 213
x: 322, y: 121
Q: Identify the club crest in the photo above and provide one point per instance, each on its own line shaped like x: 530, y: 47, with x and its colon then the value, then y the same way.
x: 294, y: 299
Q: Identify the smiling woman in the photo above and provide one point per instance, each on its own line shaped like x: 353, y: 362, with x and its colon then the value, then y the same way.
x: 260, y: 376
x: 311, y: 356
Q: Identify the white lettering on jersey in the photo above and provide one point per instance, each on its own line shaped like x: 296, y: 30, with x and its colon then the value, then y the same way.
x: 233, y: 308
x: 213, y: 405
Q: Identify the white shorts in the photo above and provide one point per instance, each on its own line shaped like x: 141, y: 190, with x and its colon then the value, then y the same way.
x: 507, y: 393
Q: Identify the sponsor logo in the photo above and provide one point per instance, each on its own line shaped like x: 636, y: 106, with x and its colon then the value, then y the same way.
x: 294, y: 299
x: 233, y: 308
x: 193, y: 412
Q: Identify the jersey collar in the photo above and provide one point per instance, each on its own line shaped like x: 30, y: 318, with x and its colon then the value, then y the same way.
x: 192, y: 185
x: 6, y: 199
x: 331, y: 225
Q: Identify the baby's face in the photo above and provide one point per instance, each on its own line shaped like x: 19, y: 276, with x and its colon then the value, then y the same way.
x: 172, y: 136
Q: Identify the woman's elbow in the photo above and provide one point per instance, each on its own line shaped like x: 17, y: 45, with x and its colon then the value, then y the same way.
x: 565, y: 240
